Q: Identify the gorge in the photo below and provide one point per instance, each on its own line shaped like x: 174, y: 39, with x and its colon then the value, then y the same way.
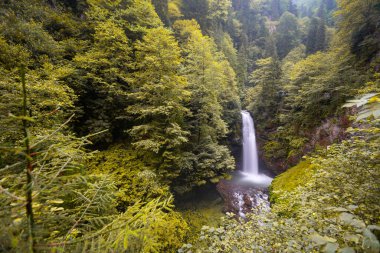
x: 212, y: 126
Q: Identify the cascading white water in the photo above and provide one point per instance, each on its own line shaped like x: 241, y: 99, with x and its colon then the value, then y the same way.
x: 250, y: 159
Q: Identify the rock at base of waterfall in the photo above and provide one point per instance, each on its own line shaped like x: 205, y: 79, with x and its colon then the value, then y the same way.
x: 240, y: 199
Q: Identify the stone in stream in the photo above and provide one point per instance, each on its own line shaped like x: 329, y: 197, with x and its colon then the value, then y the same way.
x: 240, y: 199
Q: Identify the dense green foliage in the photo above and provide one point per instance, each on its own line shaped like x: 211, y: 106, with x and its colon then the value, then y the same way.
x: 326, y: 203
x: 110, y: 70
x: 311, y: 83
x: 156, y: 87
x: 330, y: 201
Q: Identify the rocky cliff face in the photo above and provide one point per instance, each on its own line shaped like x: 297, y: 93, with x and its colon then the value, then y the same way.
x: 330, y: 131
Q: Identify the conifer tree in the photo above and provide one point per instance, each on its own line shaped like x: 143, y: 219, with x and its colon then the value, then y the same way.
x: 134, y: 16
x: 321, y: 12
x: 263, y: 98
x: 270, y: 47
x: 161, y: 7
x: 358, y: 27
x: 330, y: 5
x: 320, y: 43
x: 158, y: 94
x: 210, y: 86
x: 316, y: 37
x: 312, y: 36
x: 101, y: 81
x: 287, y: 34
x: 242, y: 69
x: 293, y: 8
x: 275, y: 9
x: 218, y: 11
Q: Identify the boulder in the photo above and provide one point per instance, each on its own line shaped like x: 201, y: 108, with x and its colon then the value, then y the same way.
x: 240, y: 199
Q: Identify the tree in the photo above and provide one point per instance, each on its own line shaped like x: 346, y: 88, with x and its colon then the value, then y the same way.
x: 161, y: 7
x: 358, y: 27
x: 227, y: 47
x: 101, y: 81
x: 330, y: 5
x: 263, y: 98
x: 318, y: 86
x: 210, y: 81
x: 242, y: 68
x: 197, y: 10
x: 270, y: 47
x: 294, y: 56
x: 321, y: 43
x: 174, y: 10
x: 158, y: 94
x: 135, y: 16
x: 321, y: 12
x: 51, y: 161
x: 312, y: 36
x: 287, y: 34
x: 275, y: 8
x: 293, y: 8
x: 219, y: 11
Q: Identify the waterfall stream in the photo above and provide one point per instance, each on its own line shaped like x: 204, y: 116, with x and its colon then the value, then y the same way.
x: 248, y: 188
x: 250, y: 157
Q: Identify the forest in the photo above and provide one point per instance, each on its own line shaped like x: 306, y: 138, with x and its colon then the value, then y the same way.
x: 124, y: 126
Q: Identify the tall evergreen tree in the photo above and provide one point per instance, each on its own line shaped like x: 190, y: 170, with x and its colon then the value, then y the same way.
x: 293, y: 8
x: 321, y: 13
x: 270, y: 47
x: 312, y: 36
x: 359, y: 27
x: 275, y: 9
x: 101, y: 81
x: 242, y: 70
x: 320, y: 43
x: 210, y: 82
x: 287, y: 34
x: 161, y: 7
x: 158, y: 100
x: 263, y: 98
x: 330, y: 5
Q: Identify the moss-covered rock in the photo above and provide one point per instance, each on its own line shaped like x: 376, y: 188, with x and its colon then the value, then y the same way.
x: 288, y: 182
x: 291, y: 179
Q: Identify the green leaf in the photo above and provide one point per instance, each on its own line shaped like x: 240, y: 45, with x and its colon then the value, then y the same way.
x: 125, y: 241
x: 349, y: 219
x: 359, y: 102
x: 321, y: 240
x: 55, y: 201
x: 337, y: 209
x: 370, y: 242
x: 346, y: 218
x: 331, y: 247
x: 352, y: 238
x: 347, y: 250
x: 26, y: 118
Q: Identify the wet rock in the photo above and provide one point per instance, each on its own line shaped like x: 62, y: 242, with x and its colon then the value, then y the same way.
x: 330, y: 130
x: 240, y: 199
x: 248, y: 201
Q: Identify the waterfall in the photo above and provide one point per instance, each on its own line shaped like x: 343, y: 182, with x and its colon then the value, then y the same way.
x: 250, y: 159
